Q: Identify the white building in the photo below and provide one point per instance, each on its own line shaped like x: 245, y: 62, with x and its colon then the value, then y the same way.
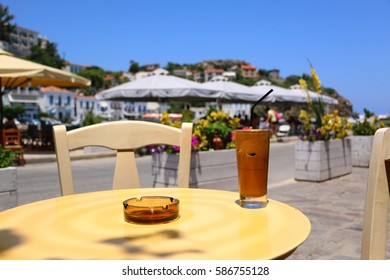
x: 211, y: 73
x: 73, y: 68
x: 134, y: 110
x: 58, y: 103
x: 85, y: 104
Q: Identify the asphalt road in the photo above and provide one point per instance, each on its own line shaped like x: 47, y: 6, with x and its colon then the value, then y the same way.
x: 40, y: 181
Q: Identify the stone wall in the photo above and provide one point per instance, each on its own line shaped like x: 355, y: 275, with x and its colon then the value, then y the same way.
x: 8, y: 190
x: 322, y: 160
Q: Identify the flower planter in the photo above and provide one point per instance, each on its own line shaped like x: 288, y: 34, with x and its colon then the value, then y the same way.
x: 361, y: 150
x: 8, y: 191
x: 206, y: 167
x: 322, y: 160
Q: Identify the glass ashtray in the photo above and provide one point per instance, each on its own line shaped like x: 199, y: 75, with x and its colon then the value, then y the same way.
x: 151, y: 209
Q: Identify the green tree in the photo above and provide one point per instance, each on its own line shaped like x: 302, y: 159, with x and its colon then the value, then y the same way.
x: 292, y: 80
x: 13, y: 112
x: 173, y: 66
x: 96, y: 75
x: 118, y: 76
x: 90, y: 119
x: 6, y: 28
x: 245, y: 81
x: 263, y: 73
x: 46, y: 53
x: 134, y: 67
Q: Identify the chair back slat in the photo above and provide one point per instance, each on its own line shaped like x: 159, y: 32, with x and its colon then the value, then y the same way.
x: 10, y: 137
x: 124, y: 137
x: 376, y: 211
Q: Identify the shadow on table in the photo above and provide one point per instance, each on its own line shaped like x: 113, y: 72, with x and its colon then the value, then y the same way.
x: 128, y: 243
x: 8, y: 240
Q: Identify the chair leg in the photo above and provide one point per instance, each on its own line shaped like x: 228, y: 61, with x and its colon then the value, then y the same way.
x: 19, y: 159
x: 22, y: 161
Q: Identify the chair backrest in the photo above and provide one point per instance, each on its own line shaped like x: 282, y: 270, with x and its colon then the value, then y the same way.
x: 376, y: 210
x: 124, y: 137
x: 10, y: 137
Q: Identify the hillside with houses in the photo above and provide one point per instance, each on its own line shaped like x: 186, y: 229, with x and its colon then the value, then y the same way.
x: 74, y: 105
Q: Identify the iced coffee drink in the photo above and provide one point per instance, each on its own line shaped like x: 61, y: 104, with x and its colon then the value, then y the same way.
x: 252, y: 150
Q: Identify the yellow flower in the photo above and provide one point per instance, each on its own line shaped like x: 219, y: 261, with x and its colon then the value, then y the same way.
x: 165, y: 119
x: 316, y: 80
x: 303, y: 84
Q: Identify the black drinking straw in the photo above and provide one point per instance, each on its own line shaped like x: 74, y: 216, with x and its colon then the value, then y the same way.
x: 261, y: 99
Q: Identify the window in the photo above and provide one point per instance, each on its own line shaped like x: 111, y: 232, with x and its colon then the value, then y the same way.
x: 68, y: 100
x: 51, y: 99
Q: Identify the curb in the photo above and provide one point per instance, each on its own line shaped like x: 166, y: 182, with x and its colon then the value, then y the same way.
x: 78, y: 155
x: 33, y: 159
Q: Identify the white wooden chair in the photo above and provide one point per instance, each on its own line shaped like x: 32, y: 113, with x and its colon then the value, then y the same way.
x: 125, y: 137
x: 376, y: 210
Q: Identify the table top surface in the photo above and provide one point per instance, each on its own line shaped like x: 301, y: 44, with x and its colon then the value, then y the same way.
x: 211, y: 226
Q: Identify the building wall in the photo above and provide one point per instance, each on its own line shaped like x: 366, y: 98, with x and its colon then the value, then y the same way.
x: 73, y: 68
x: 22, y: 39
x: 209, y: 74
x: 60, y: 105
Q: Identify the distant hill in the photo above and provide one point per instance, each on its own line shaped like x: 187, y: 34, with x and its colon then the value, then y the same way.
x: 223, y: 63
x: 345, y: 106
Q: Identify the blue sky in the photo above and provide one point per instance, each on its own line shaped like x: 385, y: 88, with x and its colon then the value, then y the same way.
x: 347, y: 41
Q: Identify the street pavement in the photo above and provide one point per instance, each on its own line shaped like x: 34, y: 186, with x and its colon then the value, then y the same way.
x: 334, y: 207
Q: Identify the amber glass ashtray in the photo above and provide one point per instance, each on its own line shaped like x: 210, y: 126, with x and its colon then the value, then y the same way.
x: 151, y: 209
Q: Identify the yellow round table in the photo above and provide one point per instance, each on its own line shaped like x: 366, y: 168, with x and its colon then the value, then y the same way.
x: 211, y: 226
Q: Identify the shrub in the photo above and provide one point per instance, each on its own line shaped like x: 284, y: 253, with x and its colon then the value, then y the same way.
x: 6, y: 157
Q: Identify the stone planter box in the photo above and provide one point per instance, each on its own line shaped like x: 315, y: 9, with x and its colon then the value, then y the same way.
x: 8, y: 191
x: 322, y: 160
x: 206, y: 167
x: 361, y: 150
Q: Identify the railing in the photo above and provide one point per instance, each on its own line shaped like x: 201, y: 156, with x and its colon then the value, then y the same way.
x: 34, y: 139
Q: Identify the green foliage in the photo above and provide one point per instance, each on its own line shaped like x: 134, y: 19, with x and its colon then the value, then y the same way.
x: 368, y: 114
x: 96, y: 75
x: 6, y: 157
x: 386, y: 122
x: 329, y: 91
x: 12, y: 112
x: 364, y: 128
x: 292, y: 80
x: 263, y: 73
x: 245, y: 81
x: 118, y: 76
x: 220, y: 127
x: 173, y: 66
x: 176, y: 106
x: 43, y: 115
x: 90, y: 119
x: 187, y: 114
x: 215, y: 123
x: 134, y: 67
x: 6, y: 28
x: 46, y: 53
x: 367, y: 127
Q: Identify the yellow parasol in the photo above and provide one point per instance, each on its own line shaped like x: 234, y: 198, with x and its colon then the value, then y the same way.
x: 17, y: 72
